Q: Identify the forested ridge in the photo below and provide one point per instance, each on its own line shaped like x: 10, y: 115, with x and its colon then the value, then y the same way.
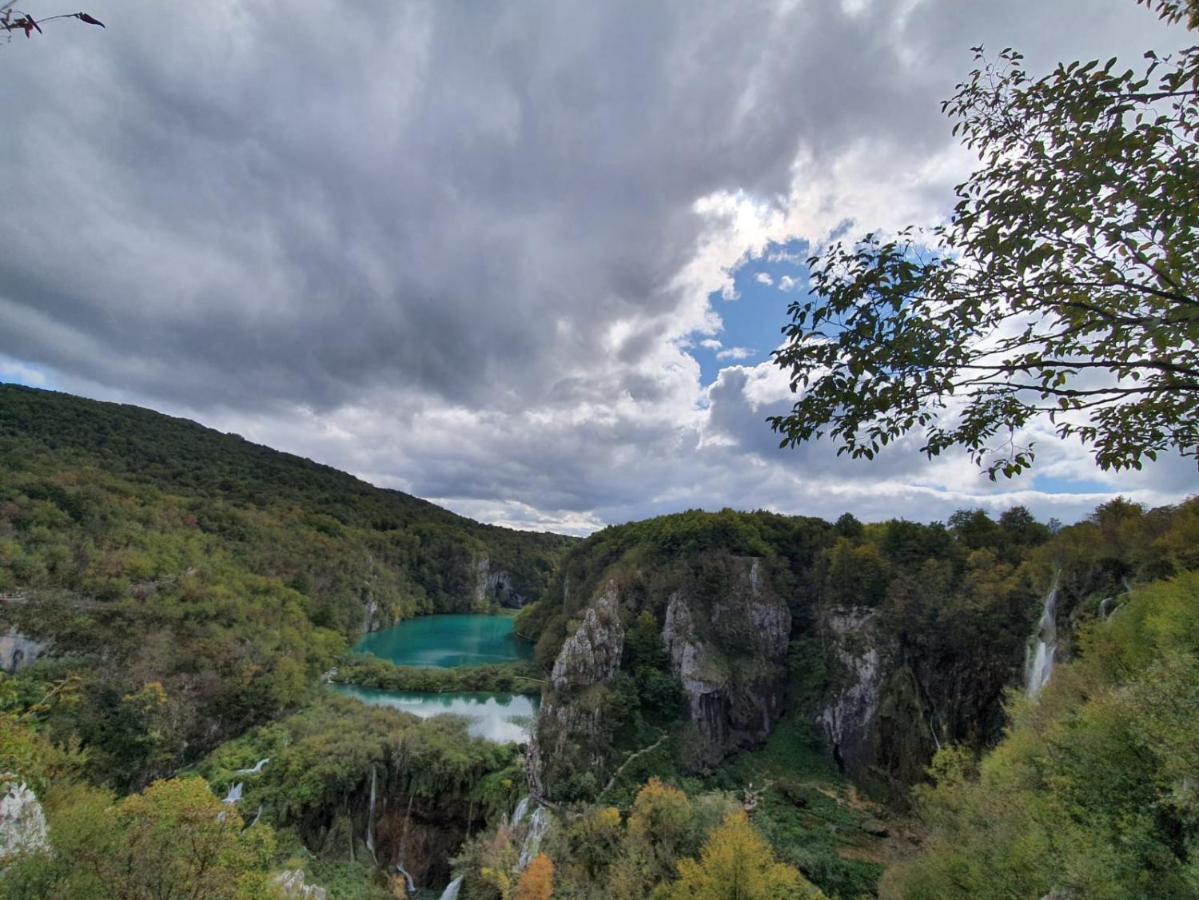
x: 951, y: 751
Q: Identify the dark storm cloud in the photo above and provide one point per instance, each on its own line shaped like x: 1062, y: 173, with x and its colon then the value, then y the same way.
x: 407, y: 194
x: 261, y: 211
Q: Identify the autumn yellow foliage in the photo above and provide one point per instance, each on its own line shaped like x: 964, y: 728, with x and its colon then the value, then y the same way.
x: 537, y: 882
x: 736, y: 863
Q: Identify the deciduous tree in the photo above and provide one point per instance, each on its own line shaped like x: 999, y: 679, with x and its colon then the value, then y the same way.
x: 1064, y: 287
x: 537, y: 881
x: 738, y: 864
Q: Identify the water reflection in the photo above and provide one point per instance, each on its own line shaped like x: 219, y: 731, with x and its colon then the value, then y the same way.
x: 503, y: 718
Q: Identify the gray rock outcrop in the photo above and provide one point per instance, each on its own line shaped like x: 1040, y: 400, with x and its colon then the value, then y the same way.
x: 592, y: 655
x: 290, y: 884
x: 494, y: 584
x: 729, y: 654
x: 848, y: 716
x: 725, y: 635
x: 570, y: 722
x: 22, y: 822
x: 18, y: 651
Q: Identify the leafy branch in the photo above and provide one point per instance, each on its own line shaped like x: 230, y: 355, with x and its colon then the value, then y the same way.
x: 1064, y: 285
x: 14, y: 20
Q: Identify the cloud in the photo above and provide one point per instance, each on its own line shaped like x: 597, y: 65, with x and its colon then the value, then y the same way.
x: 466, y: 249
x: 736, y: 353
x: 764, y: 278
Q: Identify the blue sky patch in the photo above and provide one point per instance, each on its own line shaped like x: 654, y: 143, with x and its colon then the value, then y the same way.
x: 764, y: 286
x: 1049, y: 484
x: 14, y: 371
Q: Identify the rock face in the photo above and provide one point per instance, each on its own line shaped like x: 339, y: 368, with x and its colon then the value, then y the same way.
x: 849, y: 714
x: 291, y: 884
x: 725, y: 633
x: 370, y: 620
x: 494, y: 584
x: 569, y: 727
x: 875, y: 710
x: 592, y: 654
x: 889, y: 704
x: 22, y: 822
x: 18, y: 651
x: 729, y: 654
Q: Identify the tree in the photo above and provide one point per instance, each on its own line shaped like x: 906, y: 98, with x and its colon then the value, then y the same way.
x: 1064, y: 287
x: 179, y: 841
x: 661, y: 819
x: 537, y: 881
x: 737, y: 864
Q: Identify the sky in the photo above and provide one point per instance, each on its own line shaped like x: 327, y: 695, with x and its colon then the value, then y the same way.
x: 526, y: 260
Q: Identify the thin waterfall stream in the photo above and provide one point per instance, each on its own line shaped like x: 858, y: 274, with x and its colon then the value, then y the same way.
x: 1043, y: 647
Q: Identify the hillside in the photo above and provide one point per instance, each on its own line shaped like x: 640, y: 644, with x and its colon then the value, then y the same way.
x: 228, y: 573
x: 174, y: 596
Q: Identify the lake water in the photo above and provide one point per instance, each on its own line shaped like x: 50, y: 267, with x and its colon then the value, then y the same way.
x: 503, y: 718
x: 446, y: 642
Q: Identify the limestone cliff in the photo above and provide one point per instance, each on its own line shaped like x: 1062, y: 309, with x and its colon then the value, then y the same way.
x: 570, y: 727
x: 729, y: 652
x: 851, y: 703
x: 493, y: 584
x: 22, y: 822
x: 892, y: 698
x: 725, y: 639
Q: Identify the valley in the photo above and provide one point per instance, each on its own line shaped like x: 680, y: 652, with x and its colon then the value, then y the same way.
x: 342, y: 674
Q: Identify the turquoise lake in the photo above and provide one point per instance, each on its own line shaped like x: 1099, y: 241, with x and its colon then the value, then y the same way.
x: 447, y: 642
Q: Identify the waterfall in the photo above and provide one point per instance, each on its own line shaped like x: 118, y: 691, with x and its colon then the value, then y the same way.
x: 539, y: 824
x: 451, y: 891
x: 370, y: 816
x: 1044, y: 646
x: 518, y: 814
x: 409, y: 881
x: 234, y: 795
x: 256, y: 770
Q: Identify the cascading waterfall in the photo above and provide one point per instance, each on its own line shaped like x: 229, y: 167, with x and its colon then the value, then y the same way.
x: 370, y: 816
x: 256, y: 769
x: 451, y: 891
x: 234, y: 795
x: 539, y: 824
x: 518, y: 814
x: 409, y: 881
x: 1044, y: 646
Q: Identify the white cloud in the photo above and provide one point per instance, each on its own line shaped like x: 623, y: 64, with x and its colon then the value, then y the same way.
x: 736, y: 353
x: 764, y: 278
